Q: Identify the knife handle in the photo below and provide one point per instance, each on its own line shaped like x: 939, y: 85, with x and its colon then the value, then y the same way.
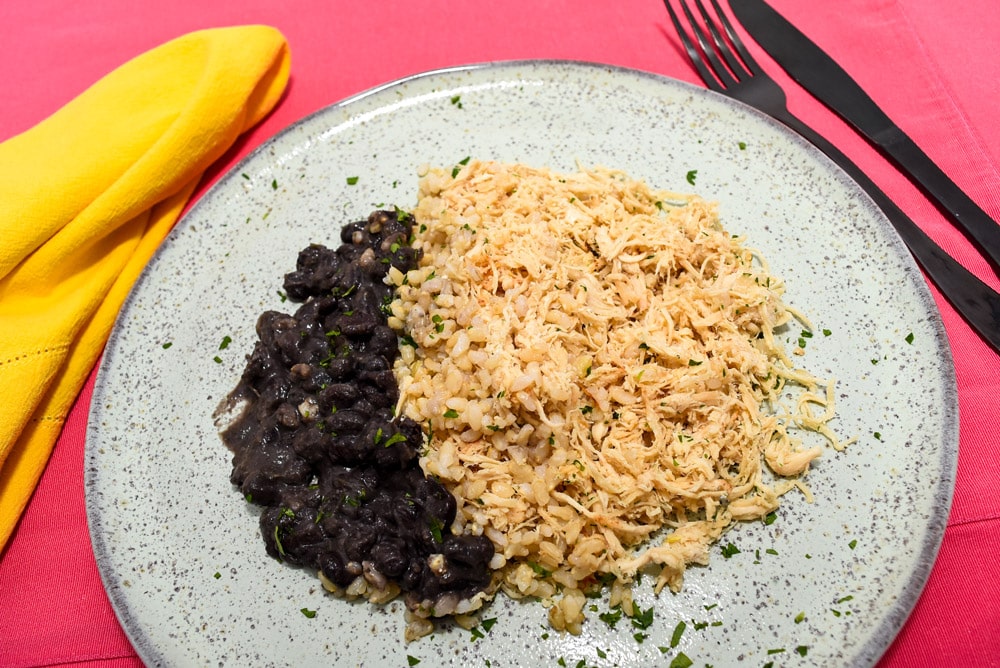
x: 978, y: 303
x: 939, y: 186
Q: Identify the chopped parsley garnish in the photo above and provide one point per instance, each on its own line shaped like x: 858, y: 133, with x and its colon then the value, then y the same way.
x: 909, y: 337
x: 226, y: 340
x: 611, y: 617
x: 770, y: 517
x: 412, y: 660
x: 799, y: 618
x: 217, y: 575
x: 691, y: 176
x: 675, y: 639
x: 217, y: 359
x: 308, y: 613
x: 274, y: 184
x: 457, y: 100
x: 642, y: 619
x: 681, y: 661
x: 802, y: 650
x: 729, y: 550
x: 743, y: 145
x: 436, y: 530
x: 451, y: 413
x: 167, y: 344
x: 540, y: 570
x: 352, y: 180
x: 853, y: 544
x: 395, y: 438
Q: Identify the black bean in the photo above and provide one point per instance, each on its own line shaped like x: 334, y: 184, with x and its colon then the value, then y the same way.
x: 318, y: 444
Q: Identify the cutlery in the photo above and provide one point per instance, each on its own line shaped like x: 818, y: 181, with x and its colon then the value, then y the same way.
x: 741, y: 78
x: 827, y: 81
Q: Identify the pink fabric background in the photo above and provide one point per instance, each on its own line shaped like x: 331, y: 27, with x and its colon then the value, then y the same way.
x: 931, y: 65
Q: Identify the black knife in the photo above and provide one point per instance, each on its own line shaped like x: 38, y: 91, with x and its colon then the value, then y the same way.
x: 815, y: 71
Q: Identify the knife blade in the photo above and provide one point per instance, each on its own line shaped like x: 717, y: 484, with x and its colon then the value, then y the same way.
x: 818, y: 73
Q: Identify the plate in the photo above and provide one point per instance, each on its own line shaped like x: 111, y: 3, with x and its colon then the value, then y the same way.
x: 829, y: 583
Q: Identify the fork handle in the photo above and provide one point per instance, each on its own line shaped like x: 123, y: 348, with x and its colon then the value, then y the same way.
x: 978, y: 303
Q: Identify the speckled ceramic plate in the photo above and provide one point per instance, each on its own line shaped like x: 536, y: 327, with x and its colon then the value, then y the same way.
x: 828, y: 584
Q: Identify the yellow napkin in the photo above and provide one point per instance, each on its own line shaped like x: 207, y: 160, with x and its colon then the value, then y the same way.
x: 85, y: 198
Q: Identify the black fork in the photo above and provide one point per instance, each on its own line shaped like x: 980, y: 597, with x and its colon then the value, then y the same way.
x: 726, y: 67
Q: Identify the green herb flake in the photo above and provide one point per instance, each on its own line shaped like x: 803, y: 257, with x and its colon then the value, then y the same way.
x: 691, y: 176
x: 394, y: 439
x: 802, y: 650
x: 412, y: 660
x: 451, y: 413
x: 770, y: 517
x: 877, y: 435
x: 611, y: 617
x: 780, y: 650
x: 489, y: 623
x: 827, y: 332
x: 642, y: 619
x: 675, y: 639
x: 853, y: 544
x: 601, y: 654
x: 456, y: 100
x: 845, y: 599
x: 743, y: 145
x: 801, y: 617
x: 436, y: 527
x: 909, y: 338
x: 729, y: 550
x: 274, y: 184
x: 308, y: 613
x: 352, y: 180
x: 217, y: 359
x: 771, y: 550
x: 217, y: 575
x: 475, y: 633
x: 226, y: 340
x: 681, y: 661
x: 245, y: 175
x: 167, y: 344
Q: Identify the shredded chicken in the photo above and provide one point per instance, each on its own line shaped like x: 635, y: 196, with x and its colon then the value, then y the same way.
x: 598, y: 372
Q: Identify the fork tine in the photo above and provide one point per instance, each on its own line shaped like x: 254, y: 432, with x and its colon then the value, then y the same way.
x: 707, y: 75
x: 721, y: 46
x: 720, y: 70
x: 745, y: 56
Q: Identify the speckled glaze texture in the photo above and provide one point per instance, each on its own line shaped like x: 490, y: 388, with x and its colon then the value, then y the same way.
x: 179, y: 548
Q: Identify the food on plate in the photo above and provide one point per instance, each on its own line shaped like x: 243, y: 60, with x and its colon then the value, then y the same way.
x: 540, y: 382
x: 317, y: 445
x: 598, y: 370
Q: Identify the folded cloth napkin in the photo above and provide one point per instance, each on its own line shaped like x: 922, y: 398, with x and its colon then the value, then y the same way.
x: 86, y: 196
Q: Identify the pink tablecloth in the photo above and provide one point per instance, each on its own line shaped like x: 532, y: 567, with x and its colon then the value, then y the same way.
x: 930, y: 64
